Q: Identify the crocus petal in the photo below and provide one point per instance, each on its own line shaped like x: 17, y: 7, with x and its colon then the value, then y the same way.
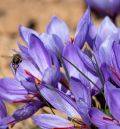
x: 52, y: 42
x: 58, y: 27
x: 11, y: 90
x: 80, y: 90
x: 83, y: 98
x: 24, y: 51
x: 5, y: 121
x: 51, y: 121
x: 82, y: 29
x: 99, y: 118
x: 106, y: 28
x: 112, y: 95
x: 71, y: 54
x: 39, y: 54
x: 52, y: 76
x: 92, y: 32
x: 27, y: 110
x: 57, y: 101
x: 3, y: 111
x: 87, y: 62
x: 116, y: 57
x: 29, y: 86
x: 110, y: 126
x: 28, y: 66
x: 25, y: 33
x: 105, y: 49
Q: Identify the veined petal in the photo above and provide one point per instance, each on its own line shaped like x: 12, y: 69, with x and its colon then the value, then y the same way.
x: 23, y: 48
x: 39, y: 54
x: 99, y: 118
x: 82, y: 29
x: 52, y: 76
x: 112, y: 95
x: 27, y: 66
x: 116, y: 57
x: 110, y: 126
x: 105, y: 49
x: 87, y: 62
x: 92, y: 32
x: 51, y: 121
x: 71, y: 54
x: 106, y: 28
x: 3, y: 111
x: 80, y: 90
x: 58, y: 27
x: 27, y: 110
x: 52, y: 42
x: 61, y: 103
x: 11, y: 90
x: 25, y: 33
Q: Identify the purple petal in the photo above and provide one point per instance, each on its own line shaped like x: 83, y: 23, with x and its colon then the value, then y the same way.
x: 5, y: 121
x: 82, y: 29
x: 27, y: 110
x: 92, y: 32
x: 39, y: 54
x: 82, y: 96
x: 3, y: 111
x: 52, y: 76
x: 58, y: 27
x: 105, y: 49
x: 52, y: 42
x: 25, y: 33
x: 112, y: 95
x: 29, y: 86
x: 11, y: 90
x: 51, y: 121
x: 99, y: 118
x: 87, y: 62
x: 71, y: 54
x: 116, y: 57
x: 106, y: 28
x: 57, y: 101
x: 24, y: 51
x: 27, y: 66
x: 80, y: 90
x: 110, y: 126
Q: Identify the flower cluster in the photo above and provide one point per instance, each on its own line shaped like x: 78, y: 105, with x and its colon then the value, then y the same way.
x: 80, y: 76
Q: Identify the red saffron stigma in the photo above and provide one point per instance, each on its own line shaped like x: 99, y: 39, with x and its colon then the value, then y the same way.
x: 115, y: 73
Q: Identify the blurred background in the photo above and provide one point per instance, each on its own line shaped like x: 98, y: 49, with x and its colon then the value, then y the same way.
x: 34, y: 14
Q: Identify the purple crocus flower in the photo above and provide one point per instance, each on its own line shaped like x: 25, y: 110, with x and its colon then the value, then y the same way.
x: 73, y: 55
x: 40, y: 69
x: 35, y: 69
x: 103, y: 121
x: 106, y: 7
x: 65, y: 104
x: 3, y: 115
x: 59, y: 28
x: 57, y: 33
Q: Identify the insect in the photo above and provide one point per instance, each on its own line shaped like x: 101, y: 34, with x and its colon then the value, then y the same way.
x: 16, y: 60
